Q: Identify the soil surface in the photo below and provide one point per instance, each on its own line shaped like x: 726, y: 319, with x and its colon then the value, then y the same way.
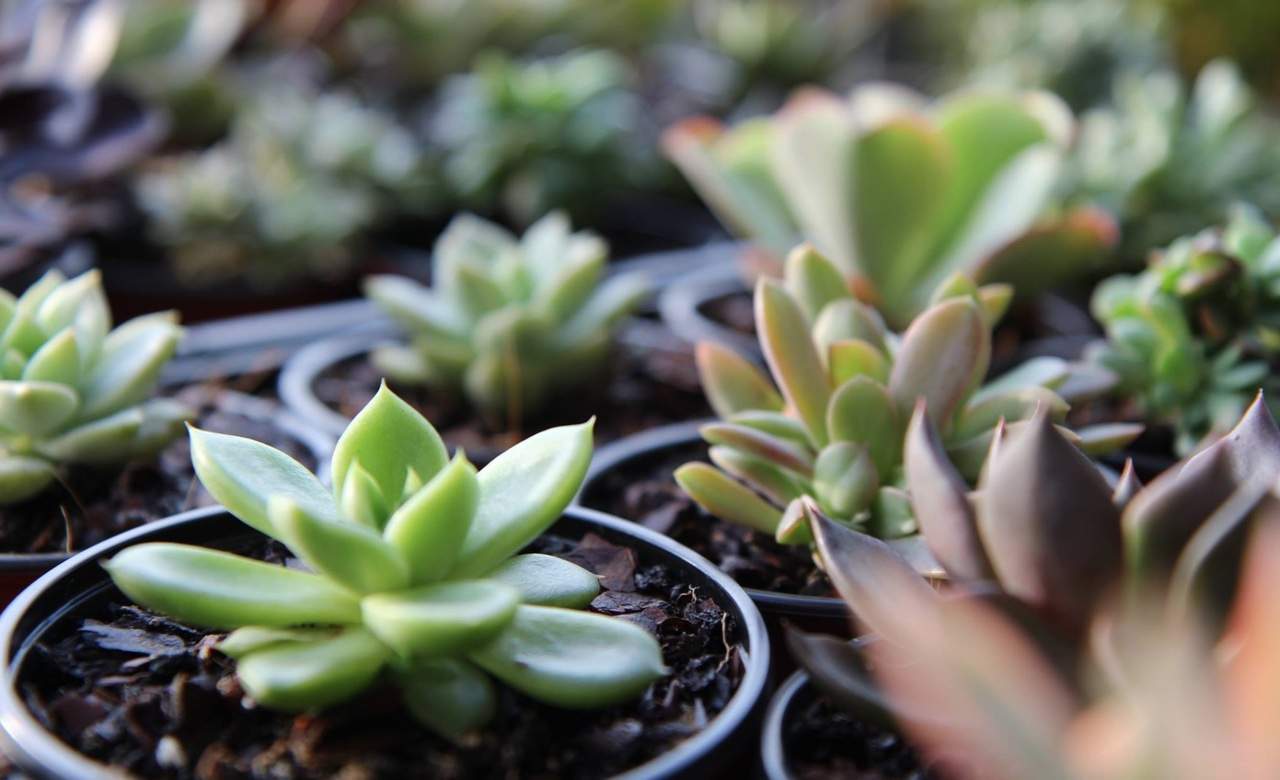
x: 645, y: 492
x: 644, y: 387
x: 820, y: 742
x: 93, y: 504
x: 152, y: 696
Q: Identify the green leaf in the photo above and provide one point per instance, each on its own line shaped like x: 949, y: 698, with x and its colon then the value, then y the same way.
x: 419, y: 309
x: 777, y: 485
x: 574, y: 283
x: 35, y: 408
x: 1010, y: 405
x: 448, y: 696
x: 478, y: 293
x: 313, y: 675
x: 847, y: 360
x: 616, y: 298
x: 64, y: 303
x: 776, y: 424
x: 813, y: 281
x: 430, y: 527
x: 792, y: 357
x: 574, y: 659
x: 846, y: 320
x: 522, y: 492
x: 862, y: 412
x: 731, y: 383
x: 352, y: 555
x: 548, y: 581
x: 1051, y: 252
x: 726, y: 498
x: 1105, y: 438
x: 126, y: 373
x: 442, y: 619
x: 362, y: 499
x: 107, y: 440
x: 943, y: 354
x: 242, y: 474
x: 22, y: 477
x: 389, y: 437
x: 220, y: 590
x: 58, y: 361
x: 22, y: 333
x: 1048, y: 372
x: 243, y: 641
x: 779, y: 452
x: 844, y: 479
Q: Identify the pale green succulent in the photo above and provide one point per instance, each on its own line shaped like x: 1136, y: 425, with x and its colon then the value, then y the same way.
x: 899, y: 192
x: 74, y: 391
x: 508, y: 320
x: 413, y: 571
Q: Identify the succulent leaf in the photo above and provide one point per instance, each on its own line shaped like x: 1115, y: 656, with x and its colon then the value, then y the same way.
x: 404, y: 440
x: 313, y: 675
x: 795, y: 363
x: 725, y: 497
x: 940, y: 356
x: 449, y: 696
x: 548, y: 581
x: 731, y: 383
x: 429, y: 528
x: 444, y: 619
x: 350, y: 554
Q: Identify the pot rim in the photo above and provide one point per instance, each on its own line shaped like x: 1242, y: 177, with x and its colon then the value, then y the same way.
x: 23, y: 736
x: 300, y: 371
x: 679, y: 301
x: 773, y: 756
x: 617, y: 453
x: 318, y: 442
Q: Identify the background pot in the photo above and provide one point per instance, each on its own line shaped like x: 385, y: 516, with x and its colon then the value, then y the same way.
x: 81, y: 582
x: 18, y: 570
x: 683, y: 303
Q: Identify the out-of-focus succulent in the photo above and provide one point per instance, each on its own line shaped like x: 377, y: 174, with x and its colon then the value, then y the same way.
x: 508, y: 320
x: 832, y: 428
x: 290, y: 193
x: 555, y: 133
x: 74, y: 391
x: 899, y: 192
x: 1077, y: 639
x: 1167, y: 161
x: 412, y: 568
x: 1191, y: 337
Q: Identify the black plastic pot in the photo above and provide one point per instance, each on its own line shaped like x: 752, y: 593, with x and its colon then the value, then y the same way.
x: 81, y: 584
x: 794, y: 693
x: 820, y: 614
x: 18, y: 570
x: 682, y: 303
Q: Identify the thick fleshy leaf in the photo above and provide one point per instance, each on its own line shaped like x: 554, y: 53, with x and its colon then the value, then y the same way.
x: 571, y: 658
x: 429, y: 528
x: 448, y: 696
x: 1207, y: 572
x: 885, y: 593
x: 1105, y: 438
x: 792, y: 357
x: 244, y: 641
x: 35, y: 408
x: 1048, y: 372
x: 780, y: 452
x: 731, y: 383
x: 849, y: 359
x: 418, y: 308
x: 847, y: 320
x: 776, y: 424
x: 389, y: 437
x: 163, y: 420
x: 942, y: 355
x: 63, y: 304
x: 442, y: 619
x: 522, y: 492
x: 220, y: 590
x: 614, y: 299
x: 1251, y: 686
x: 107, y: 440
x: 844, y: 478
x: 132, y: 358
x: 793, y: 528
x: 58, y: 361
x: 402, y: 363
x: 813, y: 281
x: 1127, y: 486
x: 1252, y: 447
x: 837, y: 668
x: 362, y: 499
x: 352, y: 555
x: 1047, y: 522
x: 1052, y: 252
x: 574, y: 282
x: 940, y: 499
x: 1011, y: 405
x: 548, y: 581
x: 242, y: 474
x: 862, y: 412
x: 478, y: 293
x: 726, y: 498
x: 777, y: 485
x: 22, y: 477
x: 313, y: 675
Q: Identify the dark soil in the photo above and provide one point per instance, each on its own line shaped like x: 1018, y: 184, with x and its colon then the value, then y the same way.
x: 734, y: 311
x: 821, y: 741
x: 644, y: 491
x: 152, y: 696
x: 643, y: 388
x: 93, y: 504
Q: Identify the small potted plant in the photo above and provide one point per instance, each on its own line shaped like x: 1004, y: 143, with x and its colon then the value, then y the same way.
x: 1055, y: 577
x: 89, y: 450
x: 436, y: 615
x: 832, y: 425
x: 513, y: 333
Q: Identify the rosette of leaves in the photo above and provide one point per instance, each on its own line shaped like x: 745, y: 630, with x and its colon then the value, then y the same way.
x: 1086, y: 631
x: 291, y: 192
x: 508, y: 320
x: 1167, y: 160
x: 1191, y: 337
x: 72, y: 389
x: 523, y: 139
x: 829, y: 426
x: 899, y: 192
x: 413, y: 573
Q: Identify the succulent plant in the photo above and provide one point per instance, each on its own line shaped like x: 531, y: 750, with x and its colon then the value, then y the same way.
x: 526, y: 138
x: 920, y: 191
x: 290, y: 193
x: 1191, y: 337
x: 412, y: 568
x: 1087, y: 632
x: 508, y: 320
x: 832, y: 428
x: 72, y: 389
x: 1167, y: 160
